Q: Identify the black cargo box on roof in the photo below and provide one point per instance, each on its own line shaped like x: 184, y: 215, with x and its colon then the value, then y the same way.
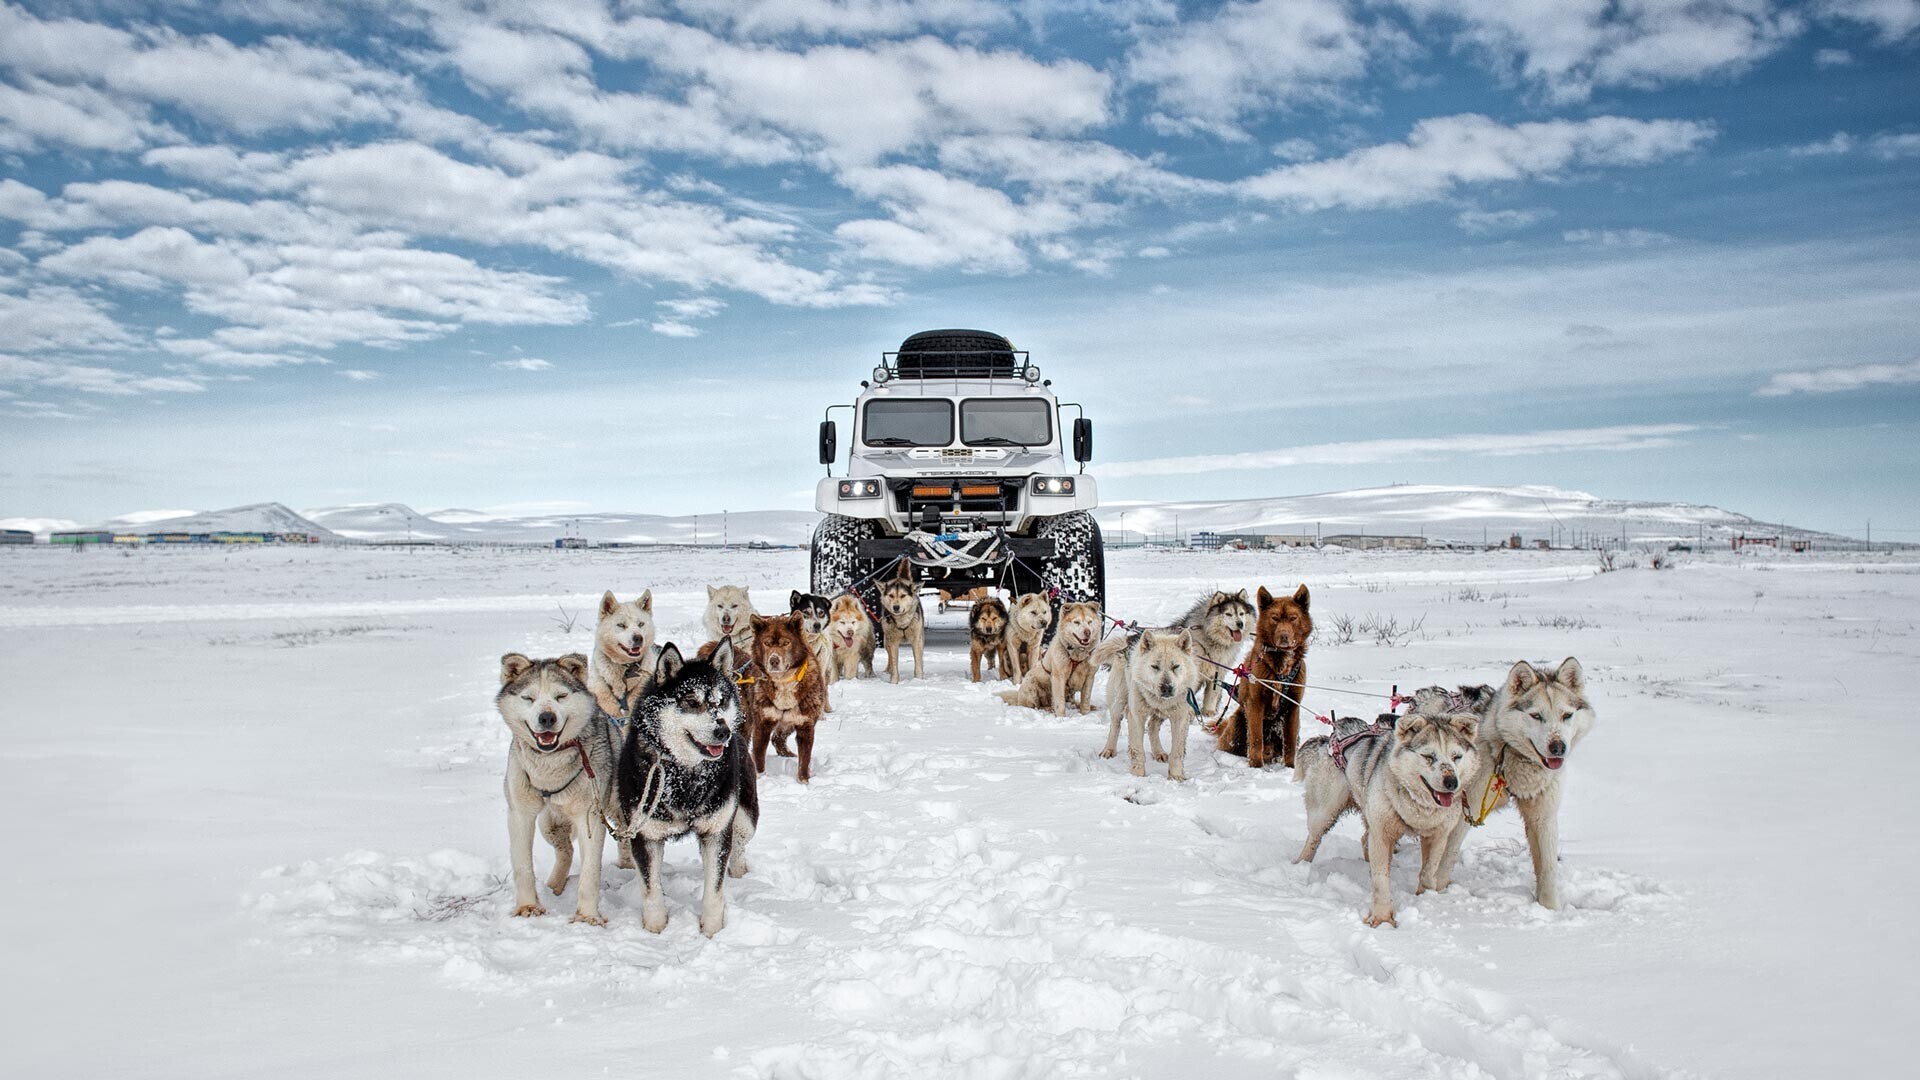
x: 956, y: 354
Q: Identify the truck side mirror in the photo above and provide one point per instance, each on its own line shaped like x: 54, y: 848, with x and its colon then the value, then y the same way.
x: 829, y: 442
x: 1083, y: 440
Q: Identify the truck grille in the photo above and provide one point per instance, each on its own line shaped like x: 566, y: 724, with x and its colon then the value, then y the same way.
x: 971, y: 495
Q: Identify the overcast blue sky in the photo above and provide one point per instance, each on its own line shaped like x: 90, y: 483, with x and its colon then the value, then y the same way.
x: 619, y: 256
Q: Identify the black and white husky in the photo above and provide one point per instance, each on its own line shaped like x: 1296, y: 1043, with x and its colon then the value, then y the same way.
x: 685, y: 768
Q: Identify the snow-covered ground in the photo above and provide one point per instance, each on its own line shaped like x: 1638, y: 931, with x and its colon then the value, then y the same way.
x: 256, y: 829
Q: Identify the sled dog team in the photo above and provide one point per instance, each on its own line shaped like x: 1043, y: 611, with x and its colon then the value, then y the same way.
x: 644, y: 743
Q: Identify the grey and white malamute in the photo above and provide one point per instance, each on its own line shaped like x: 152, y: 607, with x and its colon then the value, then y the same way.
x: 1220, y: 625
x: 1403, y: 775
x: 559, y: 770
x: 685, y: 768
x: 1529, y: 724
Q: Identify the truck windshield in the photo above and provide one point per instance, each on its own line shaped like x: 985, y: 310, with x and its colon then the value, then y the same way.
x: 922, y: 422
x: 1006, y: 422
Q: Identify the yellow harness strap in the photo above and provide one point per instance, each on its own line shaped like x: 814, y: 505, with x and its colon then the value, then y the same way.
x: 799, y: 673
x: 1491, y: 797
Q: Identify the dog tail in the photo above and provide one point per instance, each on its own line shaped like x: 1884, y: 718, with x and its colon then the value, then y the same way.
x: 1105, y: 653
x: 1313, y: 748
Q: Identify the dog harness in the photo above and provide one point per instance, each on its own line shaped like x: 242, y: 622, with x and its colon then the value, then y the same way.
x: 1337, y: 744
x: 586, y: 766
x: 799, y: 673
x: 1491, y: 797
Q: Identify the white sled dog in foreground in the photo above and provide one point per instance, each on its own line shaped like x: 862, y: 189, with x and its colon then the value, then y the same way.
x: 559, y: 771
x: 1156, y: 678
x: 1403, y: 775
x: 1529, y: 724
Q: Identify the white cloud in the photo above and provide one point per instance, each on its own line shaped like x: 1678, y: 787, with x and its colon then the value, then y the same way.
x: 1568, y: 48
x: 1829, y: 58
x: 940, y: 220
x: 771, y: 19
x: 694, y: 307
x: 1444, y: 153
x: 150, y: 259
x: 1839, y: 143
x: 358, y: 374
x: 527, y: 363
x: 1833, y: 380
x: 674, y: 328
x: 49, y: 318
x: 1891, y: 147
x: 1891, y: 20
x: 1249, y: 57
x: 1375, y: 451
x: 1492, y: 221
x: 90, y: 378
x: 1616, y: 238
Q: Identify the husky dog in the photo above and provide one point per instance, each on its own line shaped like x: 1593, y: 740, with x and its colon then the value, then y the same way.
x: 987, y: 635
x: 1155, y: 677
x: 1065, y: 668
x: 784, y: 691
x: 850, y: 633
x: 1219, y: 624
x: 814, y: 612
x: 1267, y: 721
x: 1403, y: 775
x: 1027, y: 625
x: 623, y: 654
x: 901, y: 620
x: 684, y: 769
x: 1529, y: 725
x: 559, y: 770
x: 728, y: 609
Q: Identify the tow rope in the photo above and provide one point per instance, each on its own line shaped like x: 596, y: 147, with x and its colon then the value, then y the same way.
x: 1490, y: 798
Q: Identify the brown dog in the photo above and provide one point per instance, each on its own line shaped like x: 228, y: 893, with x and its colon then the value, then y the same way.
x: 784, y: 690
x: 987, y: 635
x: 1267, y: 722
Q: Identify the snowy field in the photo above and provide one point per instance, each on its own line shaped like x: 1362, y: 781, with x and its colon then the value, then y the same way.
x: 256, y: 829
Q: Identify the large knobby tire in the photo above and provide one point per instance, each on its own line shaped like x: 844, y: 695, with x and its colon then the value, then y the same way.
x: 836, y: 567
x: 1078, y: 569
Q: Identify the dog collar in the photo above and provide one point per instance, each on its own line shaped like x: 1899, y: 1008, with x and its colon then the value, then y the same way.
x: 586, y: 764
x: 799, y: 673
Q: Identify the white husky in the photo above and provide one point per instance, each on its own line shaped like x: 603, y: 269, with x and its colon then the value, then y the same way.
x: 623, y: 655
x: 1155, y: 677
x: 730, y: 615
x: 1533, y: 721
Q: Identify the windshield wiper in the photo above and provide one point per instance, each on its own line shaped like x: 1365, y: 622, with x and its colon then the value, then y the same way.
x: 891, y: 440
x: 995, y: 440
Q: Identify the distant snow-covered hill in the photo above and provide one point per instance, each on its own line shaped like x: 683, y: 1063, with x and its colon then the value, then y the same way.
x: 1455, y: 513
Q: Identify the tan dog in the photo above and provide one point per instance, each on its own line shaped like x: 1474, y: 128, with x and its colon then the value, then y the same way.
x: 1267, y: 722
x: 987, y: 635
x: 850, y: 633
x: 1026, y: 625
x: 1156, y: 677
x: 728, y: 609
x: 902, y: 621
x: 1065, y: 668
x: 623, y: 656
x: 783, y: 692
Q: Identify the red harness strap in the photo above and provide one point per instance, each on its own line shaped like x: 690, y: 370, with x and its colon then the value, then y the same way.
x: 585, y: 762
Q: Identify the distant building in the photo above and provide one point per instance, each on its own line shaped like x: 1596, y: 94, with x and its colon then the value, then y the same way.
x: 1206, y: 541
x: 571, y: 542
x: 1269, y: 541
x: 1358, y: 542
x: 80, y: 538
x: 15, y: 536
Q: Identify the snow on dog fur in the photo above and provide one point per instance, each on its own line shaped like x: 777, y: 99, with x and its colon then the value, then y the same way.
x: 559, y: 766
x: 1532, y: 722
x: 1155, y: 678
x: 685, y: 768
x: 1404, y: 778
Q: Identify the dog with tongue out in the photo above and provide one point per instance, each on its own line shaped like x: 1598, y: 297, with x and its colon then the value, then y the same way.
x: 685, y: 768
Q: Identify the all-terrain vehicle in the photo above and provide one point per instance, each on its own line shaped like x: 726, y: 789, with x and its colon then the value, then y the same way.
x: 957, y: 466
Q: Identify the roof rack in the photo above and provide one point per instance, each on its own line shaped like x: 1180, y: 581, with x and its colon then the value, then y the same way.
x: 969, y: 354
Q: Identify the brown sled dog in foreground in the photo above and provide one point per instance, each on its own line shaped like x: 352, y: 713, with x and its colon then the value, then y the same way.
x: 1266, y: 724
x: 784, y: 691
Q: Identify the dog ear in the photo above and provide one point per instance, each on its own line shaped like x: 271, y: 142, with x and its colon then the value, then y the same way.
x: 711, y: 591
x: 1410, y: 726
x: 793, y: 601
x: 1570, y: 676
x: 1146, y: 640
x: 1521, y: 676
x: 512, y: 666
x: 1185, y: 640
x: 1266, y: 598
x: 575, y: 665
x: 758, y: 620
x: 607, y: 603
x: 1219, y: 597
x: 1302, y: 597
x: 905, y: 573
x: 1242, y: 594
x: 646, y: 601
x: 722, y: 658
x: 1464, y: 726
x: 669, y: 664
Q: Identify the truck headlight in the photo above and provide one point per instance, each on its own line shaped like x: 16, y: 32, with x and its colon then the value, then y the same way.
x: 1053, y: 485
x: 859, y: 489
